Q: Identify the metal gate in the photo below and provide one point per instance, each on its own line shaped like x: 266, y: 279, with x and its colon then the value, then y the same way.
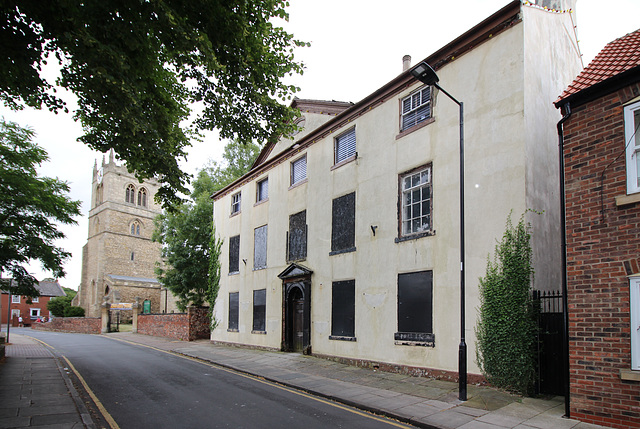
x: 550, y: 328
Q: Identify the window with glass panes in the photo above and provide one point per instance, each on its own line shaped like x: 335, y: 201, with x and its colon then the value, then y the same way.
x: 416, y: 108
x: 345, y: 146
x: 299, y: 170
x: 632, y: 141
x: 262, y: 190
x: 235, y: 203
x: 416, y: 200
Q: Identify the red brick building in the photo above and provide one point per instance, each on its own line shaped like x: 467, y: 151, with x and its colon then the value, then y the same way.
x: 601, y: 129
x: 38, y: 306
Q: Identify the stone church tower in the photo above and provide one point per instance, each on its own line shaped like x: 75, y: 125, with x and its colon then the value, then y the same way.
x: 119, y: 258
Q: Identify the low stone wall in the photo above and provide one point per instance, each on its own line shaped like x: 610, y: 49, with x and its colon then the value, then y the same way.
x: 189, y: 326
x: 80, y: 325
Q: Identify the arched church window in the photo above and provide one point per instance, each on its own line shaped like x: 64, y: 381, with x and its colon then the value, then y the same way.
x: 142, y: 197
x: 135, y: 228
x: 130, y: 194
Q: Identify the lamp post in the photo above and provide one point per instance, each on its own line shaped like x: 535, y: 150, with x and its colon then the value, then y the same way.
x: 425, y: 74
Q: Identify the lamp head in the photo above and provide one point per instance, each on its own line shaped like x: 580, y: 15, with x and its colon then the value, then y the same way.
x: 425, y: 74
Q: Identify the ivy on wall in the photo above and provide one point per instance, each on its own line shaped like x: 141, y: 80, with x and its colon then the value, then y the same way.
x: 506, y: 329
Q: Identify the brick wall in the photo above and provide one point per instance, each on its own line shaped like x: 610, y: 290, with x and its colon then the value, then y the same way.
x: 80, y: 325
x: 602, y: 244
x: 189, y: 326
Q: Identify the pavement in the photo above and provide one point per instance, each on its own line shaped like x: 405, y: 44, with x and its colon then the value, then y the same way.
x: 36, y: 391
x: 33, y: 382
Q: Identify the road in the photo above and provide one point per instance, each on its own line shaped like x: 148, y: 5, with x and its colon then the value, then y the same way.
x: 143, y: 387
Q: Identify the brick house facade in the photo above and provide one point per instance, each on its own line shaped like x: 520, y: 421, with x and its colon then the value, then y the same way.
x: 30, y: 309
x: 602, y: 113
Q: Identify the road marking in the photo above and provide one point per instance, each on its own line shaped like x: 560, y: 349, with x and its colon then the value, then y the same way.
x: 112, y: 423
x: 270, y: 383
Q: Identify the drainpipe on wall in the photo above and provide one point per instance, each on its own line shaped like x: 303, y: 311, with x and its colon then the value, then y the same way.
x: 563, y: 225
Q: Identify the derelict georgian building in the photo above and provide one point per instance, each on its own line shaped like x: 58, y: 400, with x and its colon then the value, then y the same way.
x: 344, y: 240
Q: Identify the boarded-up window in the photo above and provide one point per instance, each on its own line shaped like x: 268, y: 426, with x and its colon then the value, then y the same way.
x: 297, y: 240
x: 345, y: 146
x: 415, y: 302
x: 343, y: 226
x: 234, y: 254
x: 234, y: 310
x: 259, y: 313
x: 260, y: 248
x: 343, y: 308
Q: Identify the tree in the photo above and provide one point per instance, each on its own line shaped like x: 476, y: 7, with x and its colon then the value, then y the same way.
x: 58, y: 305
x: 506, y: 329
x: 137, y: 66
x: 30, y: 207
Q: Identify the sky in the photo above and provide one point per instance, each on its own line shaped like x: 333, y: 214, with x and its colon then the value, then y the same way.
x: 347, y: 37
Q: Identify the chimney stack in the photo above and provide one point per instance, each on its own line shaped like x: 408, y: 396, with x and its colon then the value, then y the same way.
x: 406, y: 63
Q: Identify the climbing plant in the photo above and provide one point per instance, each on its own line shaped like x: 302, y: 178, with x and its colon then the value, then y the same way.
x: 506, y: 329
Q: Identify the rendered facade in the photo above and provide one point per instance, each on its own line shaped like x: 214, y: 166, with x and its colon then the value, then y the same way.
x: 119, y: 258
x: 343, y: 241
x: 601, y: 145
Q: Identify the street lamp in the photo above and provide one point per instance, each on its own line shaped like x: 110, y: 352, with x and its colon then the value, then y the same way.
x: 425, y: 74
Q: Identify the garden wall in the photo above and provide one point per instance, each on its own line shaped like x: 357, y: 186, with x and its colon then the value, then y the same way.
x: 80, y: 325
x: 189, y: 326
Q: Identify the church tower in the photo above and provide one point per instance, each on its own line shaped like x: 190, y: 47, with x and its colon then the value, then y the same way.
x: 119, y: 258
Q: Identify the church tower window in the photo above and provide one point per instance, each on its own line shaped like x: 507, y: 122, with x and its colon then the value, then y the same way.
x: 130, y: 194
x: 142, y: 197
x: 135, y: 228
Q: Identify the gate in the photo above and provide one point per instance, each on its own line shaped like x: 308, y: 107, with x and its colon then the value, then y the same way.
x: 113, y: 325
x: 550, y: 329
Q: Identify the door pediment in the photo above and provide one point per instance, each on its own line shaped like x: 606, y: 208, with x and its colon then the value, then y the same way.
x: 293, y: 271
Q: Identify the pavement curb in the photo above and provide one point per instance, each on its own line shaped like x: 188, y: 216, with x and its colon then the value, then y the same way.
x: 353, y: 404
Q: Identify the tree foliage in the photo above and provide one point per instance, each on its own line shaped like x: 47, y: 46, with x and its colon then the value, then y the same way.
x: 137, y: 66
x: 58, y: 305
x: 506, y: 329
x: 190, y: 249
x: 30, y: 207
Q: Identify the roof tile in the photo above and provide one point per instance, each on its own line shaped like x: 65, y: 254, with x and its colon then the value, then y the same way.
x: 618, y: 56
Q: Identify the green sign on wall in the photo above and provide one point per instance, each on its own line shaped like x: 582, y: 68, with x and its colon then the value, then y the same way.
x: 146, y: 306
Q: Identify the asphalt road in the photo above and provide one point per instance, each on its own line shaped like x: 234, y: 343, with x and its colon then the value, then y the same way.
x: 143, y: 387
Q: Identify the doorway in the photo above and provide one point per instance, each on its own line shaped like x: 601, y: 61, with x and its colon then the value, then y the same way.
x: 296, y: 309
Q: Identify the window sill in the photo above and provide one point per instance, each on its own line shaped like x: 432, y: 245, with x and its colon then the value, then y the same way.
x: 623, y: 200
x: 259, y: 332
x: 414, y: 236
x: 235, y: 214
x: 345, y: 162
x: 234, y: 273
x: 340, y: 338
x: 414, y: 339
x: 295, y: 185
x: 260, y: 268
x: 261, y: 202
x: 340, y: 252
x: 415, y: 128
x: 629, y: 375
x: 232, y: 330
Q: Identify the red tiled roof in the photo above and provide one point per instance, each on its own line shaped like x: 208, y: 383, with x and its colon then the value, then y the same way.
x: 618, y: 56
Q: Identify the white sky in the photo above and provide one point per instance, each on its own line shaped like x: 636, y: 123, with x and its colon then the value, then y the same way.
x: 346, y: 37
